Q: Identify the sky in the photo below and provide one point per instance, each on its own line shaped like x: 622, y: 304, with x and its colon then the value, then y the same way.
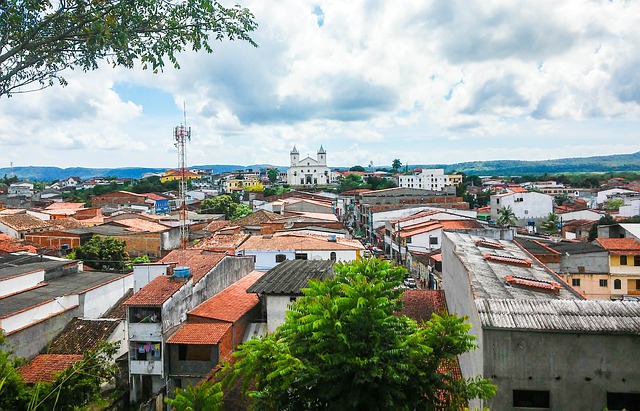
x: 425, y: 82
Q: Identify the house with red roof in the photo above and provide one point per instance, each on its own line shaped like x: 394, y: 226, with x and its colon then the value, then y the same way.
x: 164, y: 293
x: 624, y: 265
x: 212, y: 331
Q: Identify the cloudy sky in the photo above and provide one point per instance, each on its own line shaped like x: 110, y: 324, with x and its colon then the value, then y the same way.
x: 439, y: 81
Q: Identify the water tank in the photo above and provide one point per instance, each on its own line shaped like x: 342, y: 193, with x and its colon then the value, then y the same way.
x: 182, y: 272
x: 332, y: 238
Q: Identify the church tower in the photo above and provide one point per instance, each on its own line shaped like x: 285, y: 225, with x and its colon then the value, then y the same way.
x: 295, y: 156
x: 322, y: 157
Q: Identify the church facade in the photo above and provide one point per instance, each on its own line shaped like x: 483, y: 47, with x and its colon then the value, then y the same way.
x: 308, y: 171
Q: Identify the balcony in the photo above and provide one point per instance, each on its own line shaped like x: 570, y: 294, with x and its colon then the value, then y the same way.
x: 145, y: 331
x: 147, y: 367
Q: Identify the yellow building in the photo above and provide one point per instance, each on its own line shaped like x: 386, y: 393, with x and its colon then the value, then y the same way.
x: 172, y: 175
x: 624, y: 265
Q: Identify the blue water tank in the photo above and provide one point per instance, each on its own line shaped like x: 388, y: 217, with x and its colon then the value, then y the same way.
x: 182, y: 272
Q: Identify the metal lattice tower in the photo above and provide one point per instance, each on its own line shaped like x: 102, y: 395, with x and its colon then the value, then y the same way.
x: 182, y: 134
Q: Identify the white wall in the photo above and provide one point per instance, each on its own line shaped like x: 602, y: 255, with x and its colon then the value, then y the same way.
x: 143, y: 274
x: 100, y: 299
x: 35, y: 314
x: 277, y: 305
x: 22, y: 282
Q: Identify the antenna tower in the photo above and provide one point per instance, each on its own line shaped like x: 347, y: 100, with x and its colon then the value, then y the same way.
x: 182, y: 134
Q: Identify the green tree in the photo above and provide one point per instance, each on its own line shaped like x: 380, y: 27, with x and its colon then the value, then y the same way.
x: 272, y: 174
x: 614, y: 205
x: 75, y: 387
x: 102, y: 253
x: 377, y: 183
x: 357, y: 168
x: 342, y: 347
x: 39, y: 39
x: 223, y: 204
x: 551, y: 224
x: 350, y: 182
x: 395, y: 165
x: 242, y: 210
x: 204, y: 397
x: 506, y: 217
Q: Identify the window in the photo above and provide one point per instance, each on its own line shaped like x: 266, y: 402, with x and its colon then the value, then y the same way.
x: 497, y: 201
x: 280, y: 258
x: 332, y: 256
x: 617, y: 284
x: 531, y: 399
x: 622, y: 401
x: 623, y: 260
x: 575, y: 282
x: 408, y: 240
x: 433, y: 240
x: 604, y: 283
x: 301, y: 256
x: 636, y: 260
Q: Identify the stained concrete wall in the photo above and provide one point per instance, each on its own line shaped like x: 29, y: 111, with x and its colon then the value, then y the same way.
x: 30, y: 341
x: 577, y: 368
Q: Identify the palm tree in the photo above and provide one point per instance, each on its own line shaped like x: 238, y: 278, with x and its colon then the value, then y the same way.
x: 551, y: 224
x: 506, y: 217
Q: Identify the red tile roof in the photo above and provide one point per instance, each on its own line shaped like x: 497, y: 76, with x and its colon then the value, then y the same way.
x: 199, y: 333
x: 20, y: 222
x: 44, y: 367
x: 421, y: 304
x: 459, y: 224
x: 217, y: 225
x: 140, y: 225
x: 199, y: 261
x: 534, y: 284
x: 156, y: 292
x: 222, y: 241
x: 231, y: 303
x: 620, y: 246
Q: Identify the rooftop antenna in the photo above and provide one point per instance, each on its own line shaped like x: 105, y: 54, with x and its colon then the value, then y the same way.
x: 182, y: 134
x: 12, y: 173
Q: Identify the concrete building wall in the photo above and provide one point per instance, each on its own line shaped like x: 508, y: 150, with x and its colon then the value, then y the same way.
x: 143, y: 274
x: 276, y: 307
x: 303, y: 206
x: 460, y: 301
x: 593, y: 263
x: 171, y: 239
x: 22, y: 282
x: 577, y: 368
x: 225, y: 273
x: 29, y: 342
x: 99, y: 300
x: 190, y: 367
x: 40, y: 312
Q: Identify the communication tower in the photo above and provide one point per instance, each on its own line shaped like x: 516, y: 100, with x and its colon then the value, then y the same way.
x: 182, y: 134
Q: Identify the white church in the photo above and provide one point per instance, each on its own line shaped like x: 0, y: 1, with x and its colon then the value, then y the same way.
x: 308, y: 171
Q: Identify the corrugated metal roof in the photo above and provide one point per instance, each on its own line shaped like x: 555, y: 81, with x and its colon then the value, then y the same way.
x: 291, y: 276
x: 561, y: 315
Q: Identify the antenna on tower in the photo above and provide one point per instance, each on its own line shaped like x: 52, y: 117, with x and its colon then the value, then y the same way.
x: 182, y: 134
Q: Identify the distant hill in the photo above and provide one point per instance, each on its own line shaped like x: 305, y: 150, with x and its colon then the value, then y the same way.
x: 617, y: 162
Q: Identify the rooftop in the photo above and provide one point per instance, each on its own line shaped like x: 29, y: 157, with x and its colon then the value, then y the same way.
x: 561, y: 315
x: 159, y: 290
x: 421, y: 304
x: 231, y: 303
x: 20, y: 222
x: 488, y: 276
x: 256, y: 218
x: 291, y: 276
x: 70, y: 284
x: 44, y: 367
x: 199, y: 333
x: 299, y: 241
x: 82, y: 335
x: 218, y: 241
x: 200, y: 262
x: 620, y: 246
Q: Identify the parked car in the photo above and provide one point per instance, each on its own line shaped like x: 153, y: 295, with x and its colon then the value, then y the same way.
x: 410, y: 282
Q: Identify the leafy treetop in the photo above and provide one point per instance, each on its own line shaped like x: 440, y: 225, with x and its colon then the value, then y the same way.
x: 39, y: 39
x: 342, y: 347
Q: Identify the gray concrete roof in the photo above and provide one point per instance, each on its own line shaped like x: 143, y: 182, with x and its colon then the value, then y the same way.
x: 12, y: 265
x: 70, y: 284
x: 488, y: 277
x: 596, y: 316
x: 291, y: 276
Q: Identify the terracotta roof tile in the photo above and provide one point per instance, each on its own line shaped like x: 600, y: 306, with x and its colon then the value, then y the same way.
x: 256, y: 218
x: 299, y: 241
x: 217, y: 225
x: 44, y: 367
x: 231, y: 303
x: 64, y: 206
x: 421, y: 304
x: 620, y: 246
x: 140, y: 225
x: 199, y: 261
x: 459, y: 224
x: 22, y: 222
x: 222, y: 241
x: 199, y: 333
x: 156, y: 292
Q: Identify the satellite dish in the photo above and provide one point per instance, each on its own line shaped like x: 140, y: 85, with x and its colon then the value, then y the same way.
x: 288, y: 224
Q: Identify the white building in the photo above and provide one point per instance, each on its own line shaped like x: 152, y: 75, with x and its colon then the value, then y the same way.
x: 528, y: 206
x: 429, y: 179
x: 20, y: 190
x: 308, y: 172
